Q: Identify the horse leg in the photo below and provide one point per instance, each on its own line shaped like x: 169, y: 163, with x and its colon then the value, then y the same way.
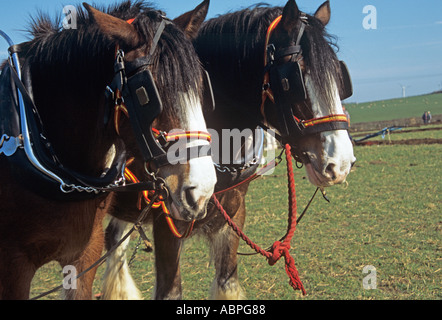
x: 117, y: 281
x: 224, y: 246
x: 81, y: 288
x: 167, y: 257
x: 16, y: 273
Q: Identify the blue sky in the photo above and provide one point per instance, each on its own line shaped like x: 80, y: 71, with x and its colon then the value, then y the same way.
x: 405, y: 49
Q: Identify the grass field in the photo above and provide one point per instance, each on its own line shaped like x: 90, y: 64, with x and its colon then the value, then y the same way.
x: 395, y: 108
x: 388, y: 217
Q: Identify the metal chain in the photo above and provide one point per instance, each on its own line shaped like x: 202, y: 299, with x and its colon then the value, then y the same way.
x: 232, y: 169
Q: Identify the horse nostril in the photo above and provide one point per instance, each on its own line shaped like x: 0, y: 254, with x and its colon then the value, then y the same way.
x: 330, y: 171
x: 191, y: 197
x: 353, y: 163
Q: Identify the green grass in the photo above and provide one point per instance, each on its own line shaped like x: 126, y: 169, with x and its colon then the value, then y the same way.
x: 389, y: 216
x: 395, y: 108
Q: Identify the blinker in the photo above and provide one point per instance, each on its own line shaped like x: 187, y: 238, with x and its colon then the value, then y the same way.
x: 287, y: 82
x: 144, y: 104
x: 346, y: 90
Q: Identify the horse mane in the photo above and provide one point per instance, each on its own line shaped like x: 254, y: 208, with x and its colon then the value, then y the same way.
x: 239, y: 35
x: 88, y: 53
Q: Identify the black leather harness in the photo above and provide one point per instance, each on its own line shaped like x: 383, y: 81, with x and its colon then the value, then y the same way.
x: 30, y: 154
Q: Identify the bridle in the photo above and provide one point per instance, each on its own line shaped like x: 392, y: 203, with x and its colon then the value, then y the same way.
x: 134, y: 93
x: 283, y: 85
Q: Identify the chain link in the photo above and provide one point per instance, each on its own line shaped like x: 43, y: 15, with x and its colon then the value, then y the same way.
x: 232, y: 169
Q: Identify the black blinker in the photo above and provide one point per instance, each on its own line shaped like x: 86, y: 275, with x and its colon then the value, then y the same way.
x: 144, y: 105
x: 287, y: 82
x: 346, y: 90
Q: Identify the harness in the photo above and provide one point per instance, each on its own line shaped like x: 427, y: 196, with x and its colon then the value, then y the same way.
x: 133, y: 92
x: 284, y: 86
x: 32, y: 158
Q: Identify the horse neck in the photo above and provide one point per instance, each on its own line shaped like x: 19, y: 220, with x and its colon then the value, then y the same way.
x: 70, y: 100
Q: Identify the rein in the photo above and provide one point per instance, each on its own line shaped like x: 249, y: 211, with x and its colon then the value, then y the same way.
x: 280, y: 248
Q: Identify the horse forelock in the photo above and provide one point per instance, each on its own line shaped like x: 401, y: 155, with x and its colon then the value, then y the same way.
x: 321, y: 60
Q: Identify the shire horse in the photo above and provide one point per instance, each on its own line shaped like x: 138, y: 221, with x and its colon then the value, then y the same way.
x: 273, y: 67
x: 81, y: 105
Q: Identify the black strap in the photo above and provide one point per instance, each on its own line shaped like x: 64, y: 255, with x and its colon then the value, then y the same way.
x: 287, y: 51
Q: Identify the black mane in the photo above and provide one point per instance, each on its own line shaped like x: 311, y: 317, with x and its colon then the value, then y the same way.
x: 238, y: 39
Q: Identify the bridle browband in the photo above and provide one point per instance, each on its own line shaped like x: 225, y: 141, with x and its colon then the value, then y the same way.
x: 283, y: 85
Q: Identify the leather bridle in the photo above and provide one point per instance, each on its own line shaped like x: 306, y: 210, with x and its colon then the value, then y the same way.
x: 135, y: 94
x: 284, y: 86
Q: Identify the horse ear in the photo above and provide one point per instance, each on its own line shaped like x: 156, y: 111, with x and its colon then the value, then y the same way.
x: 116, y: 29
x: 190, y: 22
x: 290, y: 16
x: 323, y: 13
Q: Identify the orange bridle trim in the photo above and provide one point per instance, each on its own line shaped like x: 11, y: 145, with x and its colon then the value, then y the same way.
x: 266, y: 90
x: 330, y: 118
x: 175, y: 136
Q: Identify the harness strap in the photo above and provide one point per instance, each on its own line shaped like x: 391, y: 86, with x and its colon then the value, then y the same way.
x: 48, y: 165
x: 147, y: 197
x: 327, y: 123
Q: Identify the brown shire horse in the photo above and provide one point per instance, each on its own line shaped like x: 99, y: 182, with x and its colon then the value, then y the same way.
x: 300, y: 99
x: 60, y: 152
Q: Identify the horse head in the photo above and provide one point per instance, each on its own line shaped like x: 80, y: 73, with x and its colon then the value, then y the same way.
x: 307, y: 84
x: 160, y: 103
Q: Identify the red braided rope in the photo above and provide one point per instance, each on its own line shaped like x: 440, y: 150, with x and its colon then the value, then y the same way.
x: 279, y: 249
